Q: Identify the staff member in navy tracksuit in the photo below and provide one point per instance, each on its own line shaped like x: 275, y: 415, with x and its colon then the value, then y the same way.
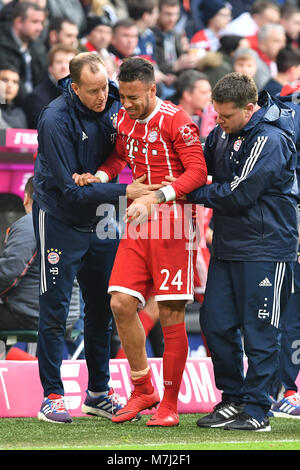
x: 252, y: 159
x: 76, y: 133
x: 289, y: 405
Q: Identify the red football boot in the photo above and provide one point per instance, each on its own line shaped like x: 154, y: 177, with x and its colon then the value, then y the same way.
x: 136, y: 403
x: 164, y: 417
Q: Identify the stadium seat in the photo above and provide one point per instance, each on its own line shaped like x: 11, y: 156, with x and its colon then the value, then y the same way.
x: 13, y: 336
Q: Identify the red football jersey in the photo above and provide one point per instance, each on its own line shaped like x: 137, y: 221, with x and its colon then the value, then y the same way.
x: 165, y: 143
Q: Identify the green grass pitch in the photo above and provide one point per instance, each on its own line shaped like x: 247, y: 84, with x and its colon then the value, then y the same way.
x: 92, y: 433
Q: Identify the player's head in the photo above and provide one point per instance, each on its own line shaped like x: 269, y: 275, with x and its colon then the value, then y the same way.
x: 234, y: 97
x: 137, y: 87
x: 90, y: 80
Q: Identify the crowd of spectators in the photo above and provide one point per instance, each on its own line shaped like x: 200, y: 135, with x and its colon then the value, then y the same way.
x: 38, y: 38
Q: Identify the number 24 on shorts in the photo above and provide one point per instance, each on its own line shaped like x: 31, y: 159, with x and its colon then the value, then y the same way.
x: 176, y: 281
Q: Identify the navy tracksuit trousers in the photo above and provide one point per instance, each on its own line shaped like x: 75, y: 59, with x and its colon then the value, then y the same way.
x: 65, y: 253
x: 241, y: 313
x: 290, y: 339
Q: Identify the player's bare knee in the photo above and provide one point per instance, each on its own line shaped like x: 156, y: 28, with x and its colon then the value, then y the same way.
x: 123, y: 306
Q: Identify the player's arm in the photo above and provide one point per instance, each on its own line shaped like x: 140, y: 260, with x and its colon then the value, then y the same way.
x: 184, y: 135
x: 60, y: 153
x: 185, y: 140
x: 111, y: 168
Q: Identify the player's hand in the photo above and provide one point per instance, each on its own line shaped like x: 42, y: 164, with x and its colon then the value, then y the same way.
x: 140, y: 209
x: 171, y: 179
x: 138, y: 189
x: 85, y: 178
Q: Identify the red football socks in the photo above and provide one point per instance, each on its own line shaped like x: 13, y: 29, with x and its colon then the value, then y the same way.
x: 174, y: 359
x: 143, y: 384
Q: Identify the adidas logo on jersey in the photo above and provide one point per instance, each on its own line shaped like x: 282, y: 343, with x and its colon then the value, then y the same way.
x: 265, y: 283
x: 84, y: 136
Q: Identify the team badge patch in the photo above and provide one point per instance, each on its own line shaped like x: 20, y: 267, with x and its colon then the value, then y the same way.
x: 237, y: 145
x: 152, y: 135
x: 53, y: 256
x: 114, y: 120
x: 187, y: 134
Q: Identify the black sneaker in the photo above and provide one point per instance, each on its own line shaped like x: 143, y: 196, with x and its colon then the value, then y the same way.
x: 244, y: 422
x: 224, y: 412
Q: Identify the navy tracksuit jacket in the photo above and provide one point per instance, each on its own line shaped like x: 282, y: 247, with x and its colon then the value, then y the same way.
x: 254, y: 197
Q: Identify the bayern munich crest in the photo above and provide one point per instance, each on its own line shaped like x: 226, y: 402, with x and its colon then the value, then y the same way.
x: 114, y: 120
x: 53, y: 256
x: 237, y: 145
x: 152, y: 135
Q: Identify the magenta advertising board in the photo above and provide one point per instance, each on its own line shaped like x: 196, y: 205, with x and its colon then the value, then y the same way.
x: 14, y: 173
x: 198, y: 393
x: 13, y: 177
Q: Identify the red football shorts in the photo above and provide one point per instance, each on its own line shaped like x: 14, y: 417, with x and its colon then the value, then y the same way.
x: 156, y: 261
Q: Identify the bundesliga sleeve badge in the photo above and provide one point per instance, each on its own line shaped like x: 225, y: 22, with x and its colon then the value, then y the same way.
x: 187, y: 134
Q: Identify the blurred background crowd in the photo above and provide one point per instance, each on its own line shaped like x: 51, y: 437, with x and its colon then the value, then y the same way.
x: 192, y: 43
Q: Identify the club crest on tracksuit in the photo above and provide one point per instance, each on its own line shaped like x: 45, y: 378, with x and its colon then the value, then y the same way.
x: 53, y: 256
x: 237, y: 144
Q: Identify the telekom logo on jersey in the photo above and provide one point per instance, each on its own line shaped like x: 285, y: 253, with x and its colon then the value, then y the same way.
x: 168, y: 221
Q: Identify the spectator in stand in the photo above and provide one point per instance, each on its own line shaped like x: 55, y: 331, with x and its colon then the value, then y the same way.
x: 249, y: 23
x: 98, y: 35
x: 190, y: 16
x: 240, y: 6
x: 21, y: 47
x: 19, y: 275
x: 290, y: 20
x: 6, y: 12
x: 171, y: 55
x: 245, y: 61
x: 216, y: 15
x: 217, y: 64
x: 145, y: 14
x: 58, y: 58
x: 229, y: 44
x: 71, y: 9
x: 271, y: 38
x: 97, y: 38
x: 288, y: 66
x: 116, y: 10
x: 11, y: 115
x: 62, y: 30
x: 193, y: 94
x: 124, y: 40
